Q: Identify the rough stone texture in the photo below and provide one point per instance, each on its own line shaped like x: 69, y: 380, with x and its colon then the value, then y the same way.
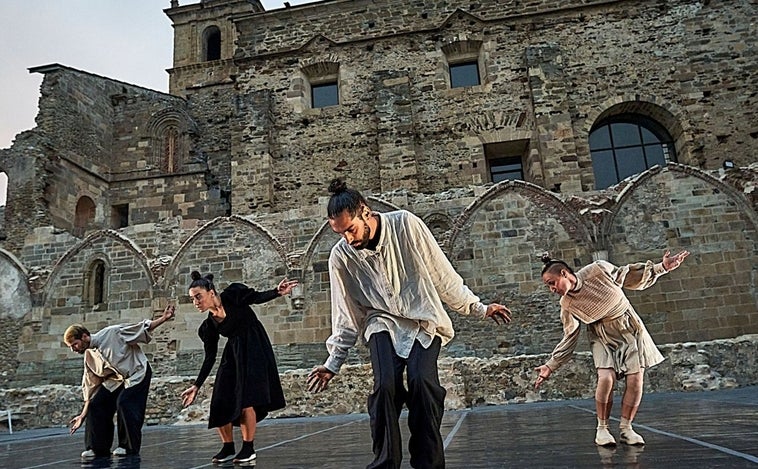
x: 228, y: 172
x: 470, y: 382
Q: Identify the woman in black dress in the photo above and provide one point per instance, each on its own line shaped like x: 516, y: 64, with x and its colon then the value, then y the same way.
x: 247, y: 383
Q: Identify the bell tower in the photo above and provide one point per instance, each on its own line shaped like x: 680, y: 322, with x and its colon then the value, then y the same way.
x: 204, y: 42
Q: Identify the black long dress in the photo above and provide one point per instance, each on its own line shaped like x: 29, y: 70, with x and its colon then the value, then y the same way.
x: 247, y: 375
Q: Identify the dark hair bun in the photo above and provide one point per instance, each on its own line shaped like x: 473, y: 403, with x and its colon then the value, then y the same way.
x: 545, y: 257
x: 195, y: 275
x: 337, y: 186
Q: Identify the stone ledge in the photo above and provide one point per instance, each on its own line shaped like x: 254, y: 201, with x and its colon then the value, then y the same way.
x: 470, y: 382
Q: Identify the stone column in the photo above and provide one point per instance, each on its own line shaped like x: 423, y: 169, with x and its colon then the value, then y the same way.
x: 395, y: 132
x: 552, y: 117
x: 252, y: 178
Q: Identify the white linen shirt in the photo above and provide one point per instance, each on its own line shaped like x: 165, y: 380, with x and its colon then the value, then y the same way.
x: 116, y: 358
x: 398, y: 288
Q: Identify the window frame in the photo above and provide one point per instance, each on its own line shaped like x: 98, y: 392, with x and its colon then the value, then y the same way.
x: 509, y: 152
x: 641, y: 148
x: 323, y: 84
x: 464, y: 63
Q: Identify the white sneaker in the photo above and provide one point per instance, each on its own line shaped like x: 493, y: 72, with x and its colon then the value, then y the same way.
x: 119, y: 451
x: 603, y: 437
x: 88, y: 454
x: 630, y: 437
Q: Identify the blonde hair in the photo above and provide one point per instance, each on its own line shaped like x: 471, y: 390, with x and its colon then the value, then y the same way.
x: 74, y: 332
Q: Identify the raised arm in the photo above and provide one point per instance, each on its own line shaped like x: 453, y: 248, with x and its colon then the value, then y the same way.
x: 167, y: 315
x: 642, y: 275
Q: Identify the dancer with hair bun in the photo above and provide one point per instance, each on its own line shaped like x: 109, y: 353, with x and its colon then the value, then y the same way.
x: 389, y: 279
x: 620, y: 344
x: 247, y: 383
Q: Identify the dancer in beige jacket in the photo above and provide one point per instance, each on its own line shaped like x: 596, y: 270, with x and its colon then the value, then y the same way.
x: 620, y: 344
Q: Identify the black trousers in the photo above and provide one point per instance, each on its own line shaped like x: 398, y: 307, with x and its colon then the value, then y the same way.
x: 129, y: 406
x: 425, y: 398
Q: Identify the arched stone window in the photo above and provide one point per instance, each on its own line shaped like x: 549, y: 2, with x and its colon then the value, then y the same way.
x: 96, y: 284
x: 627, y: 144
x: 170, y: 146
x: 169, y: 132
x: 84, y: 215
x: 211, y: 43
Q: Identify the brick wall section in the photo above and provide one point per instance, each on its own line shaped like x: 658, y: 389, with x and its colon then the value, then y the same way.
x: 552, y: 117
x: 494, y: 241
x: 25, y: 203
x: 648, y: 58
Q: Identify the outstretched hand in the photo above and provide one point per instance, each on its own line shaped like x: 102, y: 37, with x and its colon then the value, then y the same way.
x: 498, y: 313
x: 169, y: 312
x: 543, y: 373
x: 75, y: 423
x: 318, y: 379
x: 672, y: 262
x: 286, y: 286
x: 189, y: 395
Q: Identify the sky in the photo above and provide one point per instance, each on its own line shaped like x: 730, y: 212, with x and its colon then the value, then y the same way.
x: 127, y: 40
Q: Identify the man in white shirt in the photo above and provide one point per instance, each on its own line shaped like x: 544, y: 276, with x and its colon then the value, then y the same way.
x: 116, y: 380
x: 389, y: 278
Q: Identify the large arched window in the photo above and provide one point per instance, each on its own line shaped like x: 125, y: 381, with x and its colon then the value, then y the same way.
x: 627, y: 144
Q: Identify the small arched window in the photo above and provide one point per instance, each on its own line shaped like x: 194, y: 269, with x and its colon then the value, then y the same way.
x: 84, y: 216
x: 170, y: 142
x: 95, y: 283
x: 627, y: 144
x: 212, y: 43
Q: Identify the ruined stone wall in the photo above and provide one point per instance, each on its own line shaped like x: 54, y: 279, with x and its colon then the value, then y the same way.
x: 25, y: 206
x: 549, y: 73
x: 117, y: 144
x: 247, y: 202
x: 493, y: 238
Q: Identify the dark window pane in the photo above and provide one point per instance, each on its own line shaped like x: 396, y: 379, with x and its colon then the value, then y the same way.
x: 648, y: 136
x: 625, y: 134
x: 325, y: 95
x: 654, y: 154
x: 213, y: 44
x: 600, y: 139
x: 605, y: 169
x: 510, y: 168
x: 464, y: 74
x: 637, y: 143
x: 630, y: 161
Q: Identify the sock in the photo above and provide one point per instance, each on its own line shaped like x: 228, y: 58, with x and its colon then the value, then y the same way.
x: 625, y: 422
x: 602, y: 422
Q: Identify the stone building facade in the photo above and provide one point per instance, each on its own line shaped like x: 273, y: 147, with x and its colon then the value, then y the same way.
x: 119, y: 192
